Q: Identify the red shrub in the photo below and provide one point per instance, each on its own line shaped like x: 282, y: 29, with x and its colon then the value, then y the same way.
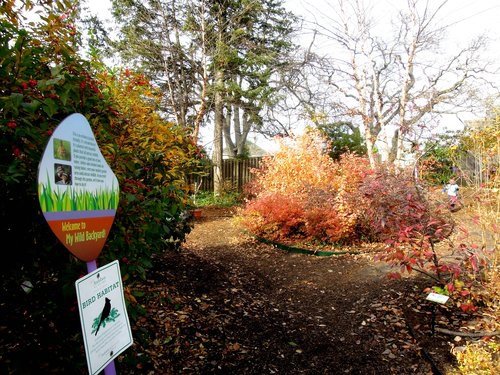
x: 330, y: 216
x: 275, y: 216
x: 327, y: 225
x: 395, y: 209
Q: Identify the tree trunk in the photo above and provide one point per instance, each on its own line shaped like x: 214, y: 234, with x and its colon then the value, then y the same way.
x: 370, y: 145
x: 247, y: 125
x: 237, y: 131
x: 230, y: 145
x: 400, y: 151
x: 219, y: 124
x: 393, y: 147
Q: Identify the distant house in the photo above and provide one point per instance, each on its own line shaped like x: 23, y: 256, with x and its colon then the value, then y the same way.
x: 256, y: 146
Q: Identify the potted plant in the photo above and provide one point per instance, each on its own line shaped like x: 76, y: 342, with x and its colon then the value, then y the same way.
x: 197, y: 213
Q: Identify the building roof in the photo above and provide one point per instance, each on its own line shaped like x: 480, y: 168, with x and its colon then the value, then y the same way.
x: 253, y: 151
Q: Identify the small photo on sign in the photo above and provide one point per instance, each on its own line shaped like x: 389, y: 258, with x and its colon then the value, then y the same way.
x: 62, y: 174
x: 62, y: 149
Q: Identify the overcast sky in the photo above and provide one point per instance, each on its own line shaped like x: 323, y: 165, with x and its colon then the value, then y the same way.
x: 464, y: 20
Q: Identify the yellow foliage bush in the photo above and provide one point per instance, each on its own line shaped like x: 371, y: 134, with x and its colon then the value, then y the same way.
x: 478, y: 359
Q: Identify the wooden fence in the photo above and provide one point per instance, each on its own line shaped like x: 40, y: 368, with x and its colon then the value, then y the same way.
x: 476, y: 168
x: 235, y: 172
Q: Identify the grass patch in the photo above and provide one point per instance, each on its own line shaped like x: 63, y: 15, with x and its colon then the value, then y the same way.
x: 208, y: 199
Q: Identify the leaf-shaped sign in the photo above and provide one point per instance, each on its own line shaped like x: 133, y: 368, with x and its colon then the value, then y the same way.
x: 77, y: 190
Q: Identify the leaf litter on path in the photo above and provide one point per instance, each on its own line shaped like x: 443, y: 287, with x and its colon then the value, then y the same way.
x: 229, y: 304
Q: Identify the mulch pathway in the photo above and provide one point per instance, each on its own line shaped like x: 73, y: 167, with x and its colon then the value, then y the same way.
x: 229, y: 304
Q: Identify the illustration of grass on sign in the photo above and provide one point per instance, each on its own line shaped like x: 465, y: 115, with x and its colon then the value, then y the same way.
x: 71, y: 199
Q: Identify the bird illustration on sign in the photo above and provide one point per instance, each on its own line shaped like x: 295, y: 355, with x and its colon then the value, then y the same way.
x: 107, y: 315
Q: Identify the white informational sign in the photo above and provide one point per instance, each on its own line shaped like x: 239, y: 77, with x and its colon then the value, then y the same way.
x: 103, y: 315
x: 438, y: 298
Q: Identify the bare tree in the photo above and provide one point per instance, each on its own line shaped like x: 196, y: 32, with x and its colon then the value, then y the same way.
x: 393, y: 84
x: 301, y: 96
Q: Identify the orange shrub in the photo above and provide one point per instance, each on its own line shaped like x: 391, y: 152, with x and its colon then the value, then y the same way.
x: 325, y: 224
x: 300, y: 164
x: 302, y: 193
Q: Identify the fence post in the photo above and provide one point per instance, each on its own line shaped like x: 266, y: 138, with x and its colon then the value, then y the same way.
x: 236, y: 171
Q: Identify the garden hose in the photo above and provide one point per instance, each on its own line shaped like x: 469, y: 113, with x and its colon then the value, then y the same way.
x: 298, y: 250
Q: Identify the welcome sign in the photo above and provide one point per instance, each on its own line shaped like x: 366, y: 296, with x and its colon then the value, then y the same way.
x: 77, y: 190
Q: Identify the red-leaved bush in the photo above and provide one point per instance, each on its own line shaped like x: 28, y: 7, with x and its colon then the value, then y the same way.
x: 394, y: 208
x: 275, y: 217
x: 326, y: 225
x: 414, y: 227
x: 301, y: 194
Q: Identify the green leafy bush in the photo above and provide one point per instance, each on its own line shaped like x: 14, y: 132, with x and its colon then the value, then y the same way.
x: 151, y: 159
x: 42, y: 81
x: 344, y: 138
x: 438, y: 161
